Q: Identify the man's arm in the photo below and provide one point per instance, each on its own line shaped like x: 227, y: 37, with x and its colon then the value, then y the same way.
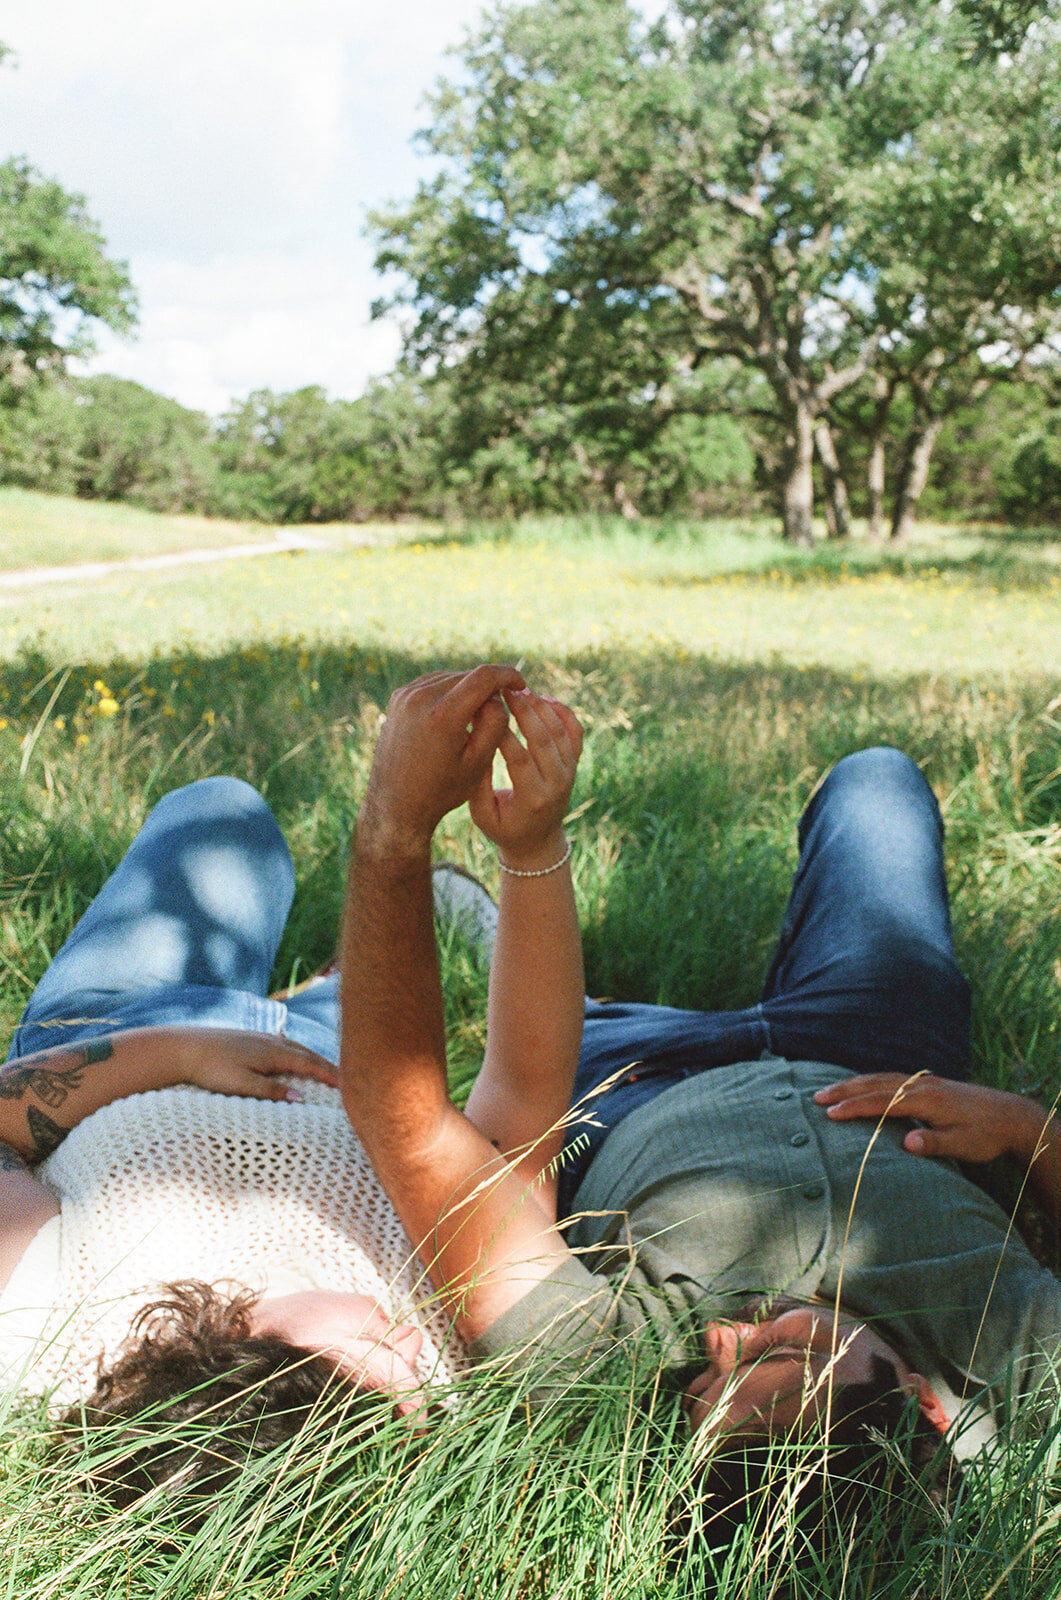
x: 964, y: 1121
x: 479, y: 1228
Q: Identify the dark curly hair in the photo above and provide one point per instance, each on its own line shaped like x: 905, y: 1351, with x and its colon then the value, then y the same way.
x: 195, y: 1395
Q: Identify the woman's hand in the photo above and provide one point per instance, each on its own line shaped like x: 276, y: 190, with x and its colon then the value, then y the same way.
x: 526, y: 821
x: 964, y: 1121
x: 227, y: 1061
x: 44, y: 1095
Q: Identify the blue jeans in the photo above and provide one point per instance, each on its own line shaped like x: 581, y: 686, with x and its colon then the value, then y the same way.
x: 864, y: 975
x: 185, y: 931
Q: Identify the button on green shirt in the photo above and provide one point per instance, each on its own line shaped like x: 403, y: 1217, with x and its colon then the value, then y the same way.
x: 734, y: 1183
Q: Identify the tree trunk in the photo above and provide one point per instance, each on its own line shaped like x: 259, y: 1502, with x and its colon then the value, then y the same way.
x: 883, y: 390
x: 875, y: 485
x: 919, y: 449
x: 627, y: 506
x: 797, y: 503
x: 837, y: 509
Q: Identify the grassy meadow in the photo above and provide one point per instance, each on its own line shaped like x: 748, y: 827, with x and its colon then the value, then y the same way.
x: 718, y: 675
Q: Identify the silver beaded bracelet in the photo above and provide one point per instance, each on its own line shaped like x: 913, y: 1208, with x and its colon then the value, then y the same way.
x: 540, y: 872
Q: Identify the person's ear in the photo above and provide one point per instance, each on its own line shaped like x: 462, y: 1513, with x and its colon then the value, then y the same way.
x: 929, y: 1402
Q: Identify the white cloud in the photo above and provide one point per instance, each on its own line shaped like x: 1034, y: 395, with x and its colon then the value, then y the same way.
x: 214, y: 329
x: 229, y: 150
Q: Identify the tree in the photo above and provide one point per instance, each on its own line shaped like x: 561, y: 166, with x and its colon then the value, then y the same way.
x: 300, y: 457
x: 55, y: 278
x: 111, y: 439
x: 958, y: 241
x: 622, y: 204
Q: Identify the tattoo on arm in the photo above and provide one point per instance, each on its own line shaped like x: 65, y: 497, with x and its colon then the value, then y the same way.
x: 11, y: 1161
x: 52, y: 1084
x: 46, y: 1134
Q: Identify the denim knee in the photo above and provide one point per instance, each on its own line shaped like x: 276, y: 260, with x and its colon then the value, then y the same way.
x: 879, y: 775
x: 220, y: 796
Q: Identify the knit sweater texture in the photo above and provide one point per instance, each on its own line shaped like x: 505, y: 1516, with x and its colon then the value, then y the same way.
x: 180, y: 1183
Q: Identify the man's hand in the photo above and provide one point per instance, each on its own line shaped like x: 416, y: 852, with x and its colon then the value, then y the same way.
x: 526, y: 821
x: 437, y: 743
x: 965, y: 1121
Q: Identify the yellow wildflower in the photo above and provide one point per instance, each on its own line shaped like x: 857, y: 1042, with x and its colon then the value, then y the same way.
x: 108, y: 706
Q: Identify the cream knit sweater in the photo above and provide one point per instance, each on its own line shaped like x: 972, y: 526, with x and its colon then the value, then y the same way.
x: 179, y: 1183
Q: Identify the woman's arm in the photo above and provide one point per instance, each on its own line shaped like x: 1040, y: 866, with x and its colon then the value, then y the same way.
x: 965, y: 1121
x: 534, y: 1030
x: 25, y: 1206
x: 44, y: 1095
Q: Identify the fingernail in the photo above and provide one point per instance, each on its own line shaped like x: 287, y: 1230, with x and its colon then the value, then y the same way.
x: 293, y: 1096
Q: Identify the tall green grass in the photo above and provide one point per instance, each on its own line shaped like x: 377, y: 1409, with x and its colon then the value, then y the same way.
x: 699, y: 758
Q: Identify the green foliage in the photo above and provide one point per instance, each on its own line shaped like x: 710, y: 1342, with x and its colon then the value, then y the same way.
x: 1032, y: 484
x: 814, y: 192
x: 55, y: 279
x: 301, y: 457
x: 998, y: 26
x: 108, y: 438
x: 409, y: 448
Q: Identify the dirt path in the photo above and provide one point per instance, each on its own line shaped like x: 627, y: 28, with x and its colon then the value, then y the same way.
x: 37, y: 577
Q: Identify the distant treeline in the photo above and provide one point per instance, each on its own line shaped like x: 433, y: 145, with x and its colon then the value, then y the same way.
x: 405, y: 448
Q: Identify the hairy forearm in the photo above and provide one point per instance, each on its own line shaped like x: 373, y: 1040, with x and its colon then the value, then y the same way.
x: 392, y: 1050
x: 467, y: 1214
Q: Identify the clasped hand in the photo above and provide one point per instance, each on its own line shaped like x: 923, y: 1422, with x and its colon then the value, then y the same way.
x: 436, y: 751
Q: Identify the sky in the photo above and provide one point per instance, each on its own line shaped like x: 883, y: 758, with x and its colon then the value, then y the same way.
x: 229, y: 151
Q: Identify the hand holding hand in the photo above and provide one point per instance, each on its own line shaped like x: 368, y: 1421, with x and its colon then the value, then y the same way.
x: 228, y: 1061
x: 965, y: 1121
x: 526, y: 821
x: 437, y: 743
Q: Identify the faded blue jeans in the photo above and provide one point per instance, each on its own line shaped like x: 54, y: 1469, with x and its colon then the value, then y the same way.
x: 185, y: 930
x: 864, y: 975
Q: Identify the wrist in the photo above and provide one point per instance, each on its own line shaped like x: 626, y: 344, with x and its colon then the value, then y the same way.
x: 179, y: 1060
x: 381, y: 838
x: 1034, y: 1131
x: 536, y: 860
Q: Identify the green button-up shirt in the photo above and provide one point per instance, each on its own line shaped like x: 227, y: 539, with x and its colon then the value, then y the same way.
x: 733, y: 1183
